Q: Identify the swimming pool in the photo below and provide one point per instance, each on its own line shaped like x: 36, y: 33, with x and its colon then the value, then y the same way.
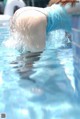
x: 38, y: 85
x: 76, y: 51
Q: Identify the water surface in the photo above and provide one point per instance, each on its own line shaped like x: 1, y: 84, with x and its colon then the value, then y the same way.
x: 38, y: 85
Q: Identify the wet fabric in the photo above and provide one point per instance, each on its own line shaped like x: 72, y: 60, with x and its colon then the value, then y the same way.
x: 58, y: 18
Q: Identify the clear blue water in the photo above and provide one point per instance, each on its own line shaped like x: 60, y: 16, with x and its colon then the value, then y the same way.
x: 38, y: 85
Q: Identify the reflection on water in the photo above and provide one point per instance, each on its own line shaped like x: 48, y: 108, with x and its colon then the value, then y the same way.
x: 37, y: 85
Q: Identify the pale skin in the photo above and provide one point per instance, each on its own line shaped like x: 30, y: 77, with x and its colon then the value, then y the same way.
x: 32, y: 28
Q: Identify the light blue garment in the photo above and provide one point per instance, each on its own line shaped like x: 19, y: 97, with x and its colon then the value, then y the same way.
x: 58, y: 18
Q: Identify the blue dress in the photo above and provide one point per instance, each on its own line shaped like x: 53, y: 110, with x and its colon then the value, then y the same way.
x: 58, y: 18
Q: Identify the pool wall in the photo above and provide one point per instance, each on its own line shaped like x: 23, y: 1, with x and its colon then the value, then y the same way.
x: 76, y: 50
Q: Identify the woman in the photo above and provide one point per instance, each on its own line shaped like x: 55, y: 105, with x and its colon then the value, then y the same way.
x: 32, y: 24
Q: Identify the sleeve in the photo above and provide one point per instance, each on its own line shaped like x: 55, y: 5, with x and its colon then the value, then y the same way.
x: 58, y: 18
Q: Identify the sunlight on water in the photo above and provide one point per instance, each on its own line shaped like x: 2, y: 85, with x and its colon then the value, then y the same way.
x: 37, y: 85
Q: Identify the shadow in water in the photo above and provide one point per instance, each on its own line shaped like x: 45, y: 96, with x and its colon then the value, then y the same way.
x: 42, y: 72
x: 24, y: 64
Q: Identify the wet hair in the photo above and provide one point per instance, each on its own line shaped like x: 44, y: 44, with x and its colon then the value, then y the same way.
x: 62, y: 2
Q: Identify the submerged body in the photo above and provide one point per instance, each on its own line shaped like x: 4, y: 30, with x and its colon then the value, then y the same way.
x: 33, y: 24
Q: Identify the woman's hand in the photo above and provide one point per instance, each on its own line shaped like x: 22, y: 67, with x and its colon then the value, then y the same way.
x: 62, y: 2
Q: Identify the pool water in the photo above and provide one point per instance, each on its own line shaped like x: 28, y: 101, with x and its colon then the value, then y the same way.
x: 38, y: 85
